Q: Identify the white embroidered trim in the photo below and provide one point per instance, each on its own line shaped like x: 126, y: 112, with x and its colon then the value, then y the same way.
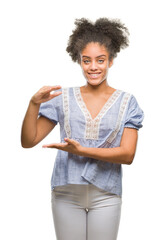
x: 66, y: 111
x: 120, y: 117
x: 92, y: 125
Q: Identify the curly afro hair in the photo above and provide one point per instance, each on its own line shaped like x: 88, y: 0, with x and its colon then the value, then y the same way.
x: 110, y: 33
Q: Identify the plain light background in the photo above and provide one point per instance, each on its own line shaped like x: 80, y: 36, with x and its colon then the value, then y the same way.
x: 33, y: 40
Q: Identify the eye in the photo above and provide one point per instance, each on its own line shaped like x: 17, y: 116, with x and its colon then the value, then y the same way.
x: 86, y: 61
x: 101, y: 60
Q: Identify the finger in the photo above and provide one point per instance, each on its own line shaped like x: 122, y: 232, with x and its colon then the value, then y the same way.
x: 51, y: 96
x: 48, y: 89
x: 55, y: 145
x: 46, y: 94
x: 55, y: 94
x: 70, y: 141
x: 56, y: 87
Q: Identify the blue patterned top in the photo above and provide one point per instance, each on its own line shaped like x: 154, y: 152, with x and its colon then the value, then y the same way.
x: 105, y: 130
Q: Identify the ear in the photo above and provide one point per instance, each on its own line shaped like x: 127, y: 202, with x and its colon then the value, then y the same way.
x: 110, y: 63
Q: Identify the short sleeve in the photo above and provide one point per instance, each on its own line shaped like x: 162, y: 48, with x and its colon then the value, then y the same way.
x: 49, y: 110
x: 135, y: 115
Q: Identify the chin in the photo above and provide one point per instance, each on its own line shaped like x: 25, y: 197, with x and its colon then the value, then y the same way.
x: 95, y: 82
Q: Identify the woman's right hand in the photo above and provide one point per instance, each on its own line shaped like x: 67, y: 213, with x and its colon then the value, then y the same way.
x: 44, y: 94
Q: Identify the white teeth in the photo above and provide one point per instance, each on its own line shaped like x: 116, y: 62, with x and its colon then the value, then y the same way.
x: 94, y: 75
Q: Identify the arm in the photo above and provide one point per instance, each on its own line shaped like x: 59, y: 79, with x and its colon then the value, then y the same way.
x: 34, y: 129
x: 121, y: 155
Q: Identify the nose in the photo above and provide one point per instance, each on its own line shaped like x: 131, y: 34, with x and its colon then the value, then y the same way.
x: 93, y: 66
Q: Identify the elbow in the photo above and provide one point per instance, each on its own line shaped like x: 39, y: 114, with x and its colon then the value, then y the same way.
x: 26, y: 144
x: 130, y: 158
x: 128, y: 155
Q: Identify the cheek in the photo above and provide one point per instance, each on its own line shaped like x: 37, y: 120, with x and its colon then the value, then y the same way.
x: 105, y: 69
x: 84, y: 72
x: 84, y: 68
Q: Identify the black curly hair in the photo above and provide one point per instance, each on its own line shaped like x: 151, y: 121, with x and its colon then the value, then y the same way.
x: 108, y: 32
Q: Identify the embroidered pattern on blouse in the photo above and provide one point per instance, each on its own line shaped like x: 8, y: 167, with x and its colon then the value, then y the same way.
x: 66, y: 112
x: 92, y: 125
x: 120, y: 117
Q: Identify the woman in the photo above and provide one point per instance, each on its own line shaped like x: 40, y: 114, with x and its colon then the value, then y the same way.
x: 99, y: 128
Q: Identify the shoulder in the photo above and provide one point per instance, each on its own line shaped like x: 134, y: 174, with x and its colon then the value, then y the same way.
x: 129, y: 100
x: 135, y: 114
x: 70, y: 91
x: 122, y: 96
x: 128, y: 95
x: 67, y: 89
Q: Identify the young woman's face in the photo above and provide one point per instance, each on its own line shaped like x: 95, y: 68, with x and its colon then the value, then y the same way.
x: 95, y: 63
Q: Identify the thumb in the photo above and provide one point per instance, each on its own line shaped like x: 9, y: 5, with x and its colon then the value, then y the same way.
x: 69, y: 140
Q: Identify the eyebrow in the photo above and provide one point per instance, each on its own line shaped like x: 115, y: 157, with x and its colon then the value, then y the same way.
x: 96, y: 57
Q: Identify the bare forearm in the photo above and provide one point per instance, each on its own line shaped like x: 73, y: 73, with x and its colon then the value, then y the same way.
x: 118, y: 155
x: 29, y: 126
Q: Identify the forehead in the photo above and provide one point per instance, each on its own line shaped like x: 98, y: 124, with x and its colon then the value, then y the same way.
x: 94, y: 49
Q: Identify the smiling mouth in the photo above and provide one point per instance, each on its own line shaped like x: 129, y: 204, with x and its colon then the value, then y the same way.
x: 94, y: 75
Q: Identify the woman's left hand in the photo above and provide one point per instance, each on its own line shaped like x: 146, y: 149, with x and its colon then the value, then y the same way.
x: 71, y: 146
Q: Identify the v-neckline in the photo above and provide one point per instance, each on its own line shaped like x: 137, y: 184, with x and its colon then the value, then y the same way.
x: 104, y: 108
